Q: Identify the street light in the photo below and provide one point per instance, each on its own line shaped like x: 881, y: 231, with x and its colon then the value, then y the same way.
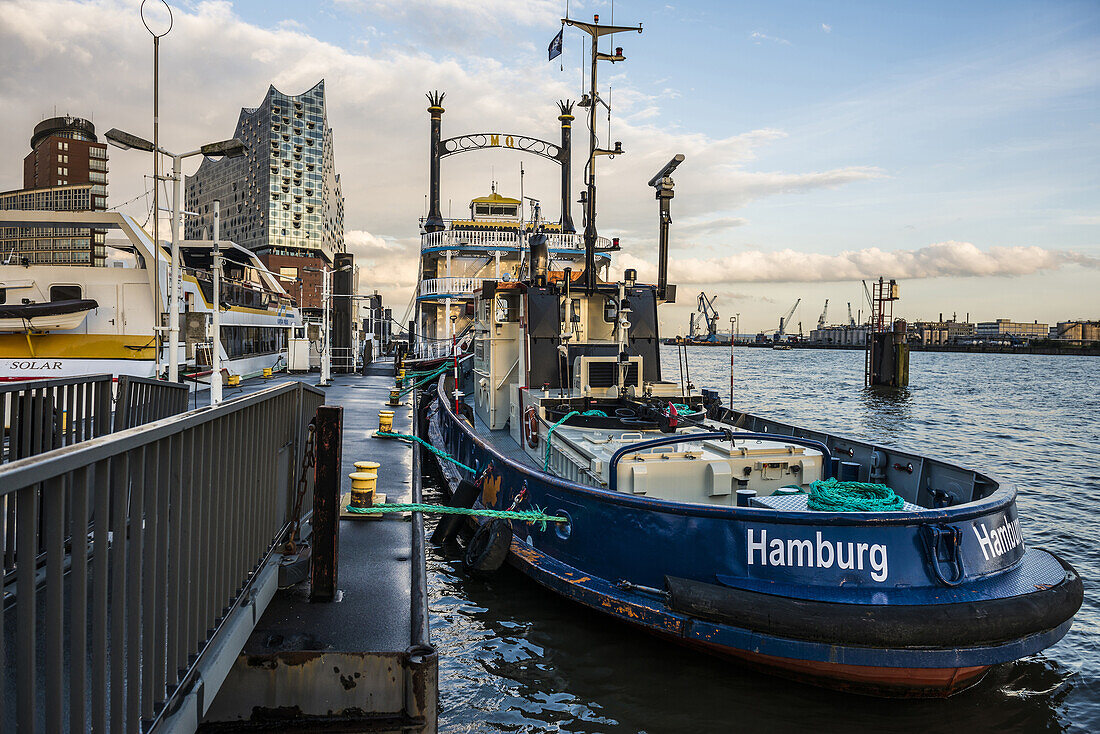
x: 232, y: 148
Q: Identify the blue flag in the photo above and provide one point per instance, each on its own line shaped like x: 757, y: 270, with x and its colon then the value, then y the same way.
x: 555, y: 45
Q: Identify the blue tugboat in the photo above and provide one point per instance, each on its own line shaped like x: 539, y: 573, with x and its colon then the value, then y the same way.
x: 713, y: 528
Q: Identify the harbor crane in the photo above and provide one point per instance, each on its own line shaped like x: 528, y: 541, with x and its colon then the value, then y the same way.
x: 851, y: 319
x: 708, y: 315
x: 824, y: 315
x: 783, y: 320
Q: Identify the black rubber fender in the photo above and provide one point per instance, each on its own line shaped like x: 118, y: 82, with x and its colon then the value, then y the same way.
x: 463, y: 496
x: 983, y: 622
x: 489, y: 546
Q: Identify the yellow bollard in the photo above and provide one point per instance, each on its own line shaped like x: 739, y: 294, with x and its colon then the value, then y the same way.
x: 267, y: 372
x: 233, y: 380
x: 395, y: 397
x: 362, y: 488
x: 385, y: 421
x: 401, y: 374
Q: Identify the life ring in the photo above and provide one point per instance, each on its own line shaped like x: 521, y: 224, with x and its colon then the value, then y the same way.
x: 489, y: 546
x: 531, y: 426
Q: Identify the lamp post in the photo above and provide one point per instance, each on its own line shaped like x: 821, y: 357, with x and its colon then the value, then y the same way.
x: 150, y: 21
x: 232, y: 148
x: 454, y: 351
x: 326, y: 339
x: 215, y: 349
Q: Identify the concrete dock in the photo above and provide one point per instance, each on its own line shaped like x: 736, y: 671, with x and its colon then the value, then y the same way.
x: 363, y: 661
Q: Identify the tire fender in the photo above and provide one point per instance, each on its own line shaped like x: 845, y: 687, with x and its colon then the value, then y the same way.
x: 489, y: 546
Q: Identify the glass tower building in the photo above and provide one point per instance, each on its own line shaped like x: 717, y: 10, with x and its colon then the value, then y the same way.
x: 283, y: 199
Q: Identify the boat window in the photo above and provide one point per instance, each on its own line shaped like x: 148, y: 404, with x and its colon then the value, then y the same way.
x: 65, y: 293
x: 506, y: 309
x: 609, y: 310
x: 3, y: 295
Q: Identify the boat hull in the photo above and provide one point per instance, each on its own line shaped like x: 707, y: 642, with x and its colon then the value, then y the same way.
x: 617, y: 553
x: 875, y: 680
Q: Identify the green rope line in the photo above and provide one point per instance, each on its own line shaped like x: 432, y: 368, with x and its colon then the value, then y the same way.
x: 531, y: 516
x: 595, y: 413
x: 429, y: 378
x: 549, y: 433
x: 833, y: 496
x: 681, y: 408
x: 438, y: 452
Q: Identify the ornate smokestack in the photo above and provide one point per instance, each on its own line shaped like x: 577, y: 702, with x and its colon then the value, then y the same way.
x: 435, y: 109
x: 565, y: 106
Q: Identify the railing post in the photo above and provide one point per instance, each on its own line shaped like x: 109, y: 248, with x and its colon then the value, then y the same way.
x: 326, y: 503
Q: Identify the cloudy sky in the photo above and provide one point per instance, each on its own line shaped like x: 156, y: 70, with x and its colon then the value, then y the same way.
x: 954, y: 146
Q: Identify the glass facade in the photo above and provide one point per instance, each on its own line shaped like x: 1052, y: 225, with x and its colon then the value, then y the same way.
x: 284, y: 196
x: 52, y: 245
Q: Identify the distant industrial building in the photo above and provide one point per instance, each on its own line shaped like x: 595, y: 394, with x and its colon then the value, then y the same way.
x: 940, y: 332
x: 1079, y: 331
x: 844, y: 334
x: 66, y: 170
x: 1007, y: 330
x: 282, y: 200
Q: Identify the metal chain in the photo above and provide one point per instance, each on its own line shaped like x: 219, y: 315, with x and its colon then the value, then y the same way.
x: 308, y: 461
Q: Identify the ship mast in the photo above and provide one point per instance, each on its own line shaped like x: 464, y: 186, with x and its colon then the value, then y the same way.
x: 590, y: 100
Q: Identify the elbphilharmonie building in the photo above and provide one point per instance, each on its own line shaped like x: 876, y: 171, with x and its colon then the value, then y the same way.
x: 283, y: 199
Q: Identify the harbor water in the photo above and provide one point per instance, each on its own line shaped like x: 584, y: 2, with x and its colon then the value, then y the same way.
x: 516, y: 658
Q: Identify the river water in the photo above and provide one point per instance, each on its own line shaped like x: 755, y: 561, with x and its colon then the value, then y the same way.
x: 516, y: 658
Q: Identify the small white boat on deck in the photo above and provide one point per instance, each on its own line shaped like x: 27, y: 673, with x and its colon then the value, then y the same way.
x: 51, y: 316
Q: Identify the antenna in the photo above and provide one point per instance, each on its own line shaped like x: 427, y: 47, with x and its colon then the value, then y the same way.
x: 591, y: 100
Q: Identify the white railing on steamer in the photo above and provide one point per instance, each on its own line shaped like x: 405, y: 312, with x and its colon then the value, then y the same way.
x: 502, y: 240
x: 449, y: 286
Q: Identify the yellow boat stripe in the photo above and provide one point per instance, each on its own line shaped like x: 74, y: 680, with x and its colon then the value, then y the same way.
x: 77, y: 346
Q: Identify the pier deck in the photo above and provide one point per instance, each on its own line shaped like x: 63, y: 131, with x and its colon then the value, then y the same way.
x: 355, y: 659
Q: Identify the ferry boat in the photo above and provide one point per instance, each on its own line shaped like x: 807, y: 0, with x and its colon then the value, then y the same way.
x: 699, y: 524
x: 66, y: 321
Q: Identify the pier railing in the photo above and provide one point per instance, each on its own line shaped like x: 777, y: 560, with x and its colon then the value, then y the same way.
x: 41, y: 415
x: 159, y: 548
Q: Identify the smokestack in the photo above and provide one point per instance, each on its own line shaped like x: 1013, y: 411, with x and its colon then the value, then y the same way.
x: 540, y: 258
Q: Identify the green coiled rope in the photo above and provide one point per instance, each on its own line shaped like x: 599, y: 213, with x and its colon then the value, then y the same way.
x: 531, y: 516
x: 833, y: 496
x: 595, y: 413
x: 438, y: 452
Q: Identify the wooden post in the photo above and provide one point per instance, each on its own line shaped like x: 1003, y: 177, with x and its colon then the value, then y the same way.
x: 326, y: 504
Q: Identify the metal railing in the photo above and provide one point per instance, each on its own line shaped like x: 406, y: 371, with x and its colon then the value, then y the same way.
x: 142, y: 400
x: 502, y: 240
x: 439, y: 287
x: 41, y: 415
x: 172, y: 529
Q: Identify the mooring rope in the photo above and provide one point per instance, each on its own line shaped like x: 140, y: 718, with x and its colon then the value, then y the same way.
x: 833, y: 496
x: 550, y: 432
x: 530, y: 516
x: 438, y: 452
x: 429, y: 378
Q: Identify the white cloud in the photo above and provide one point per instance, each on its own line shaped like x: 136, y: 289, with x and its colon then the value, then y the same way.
x: 942, y: 259
x: 758, y: 36
x: 826, y: 27
x: 93, y: 61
